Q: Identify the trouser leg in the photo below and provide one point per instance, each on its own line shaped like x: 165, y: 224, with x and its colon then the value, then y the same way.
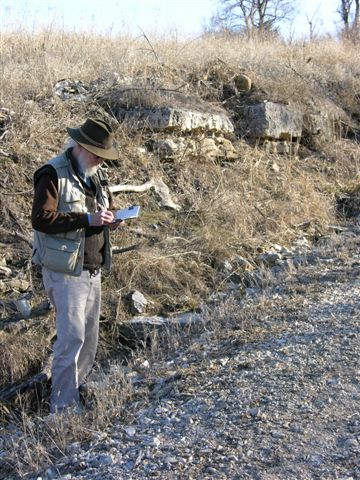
x: 92, y: 314
x: 69, y: 296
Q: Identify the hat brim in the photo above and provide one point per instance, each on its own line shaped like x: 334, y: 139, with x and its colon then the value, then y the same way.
x: 106, y: 153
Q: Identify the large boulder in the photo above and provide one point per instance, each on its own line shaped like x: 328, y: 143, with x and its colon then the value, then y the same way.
x: 175, y: 119
x: 164, y: 110
x: 272, y: 121
x: 323, y: 122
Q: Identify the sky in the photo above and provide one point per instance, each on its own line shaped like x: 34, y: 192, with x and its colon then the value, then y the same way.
x: 178, y: 17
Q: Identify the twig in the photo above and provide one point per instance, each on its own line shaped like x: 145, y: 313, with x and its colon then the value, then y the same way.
x: 174, y: 89
x: 288, y: 65
x: 222, y: 61
x: 148, y: 41
x: 261, y: 213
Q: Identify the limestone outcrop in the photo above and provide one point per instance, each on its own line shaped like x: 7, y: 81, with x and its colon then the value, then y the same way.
x: 273, y: 121
x: 175, y: 119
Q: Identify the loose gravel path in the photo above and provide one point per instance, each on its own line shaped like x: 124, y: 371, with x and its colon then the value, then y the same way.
x: 271, y: 392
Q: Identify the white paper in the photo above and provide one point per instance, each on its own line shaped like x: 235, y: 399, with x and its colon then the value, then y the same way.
x: 127, y: 213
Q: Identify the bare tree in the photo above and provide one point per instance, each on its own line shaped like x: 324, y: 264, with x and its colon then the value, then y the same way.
x: 344, y: 12
x: 351, y: 22
x: 313, y: 21
x: 252, y: 16
x: 356, y: 22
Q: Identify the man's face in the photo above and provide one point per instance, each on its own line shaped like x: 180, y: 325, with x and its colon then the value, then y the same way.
x: 89, y: 162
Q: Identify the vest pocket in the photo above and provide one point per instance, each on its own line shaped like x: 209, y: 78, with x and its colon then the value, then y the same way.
x: 61, y: 254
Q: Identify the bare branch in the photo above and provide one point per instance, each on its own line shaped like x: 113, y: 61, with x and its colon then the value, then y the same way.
x: 159, y: 187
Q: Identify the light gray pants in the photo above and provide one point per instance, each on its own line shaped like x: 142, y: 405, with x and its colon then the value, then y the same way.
x: 77, y: 305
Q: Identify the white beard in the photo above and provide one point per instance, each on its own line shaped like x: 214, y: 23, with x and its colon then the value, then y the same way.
x: 84, y: 168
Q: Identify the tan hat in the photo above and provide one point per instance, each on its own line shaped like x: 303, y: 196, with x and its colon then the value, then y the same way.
x: 97, y: 137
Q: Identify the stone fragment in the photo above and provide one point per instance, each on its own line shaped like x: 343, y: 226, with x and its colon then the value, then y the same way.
x: 23, y: 306
x: 167, y: 148
x: 5, y: 271
x: 155, y: 442
x: 268, y: 120
x: 351, y: 444
x: 130, y: 431
x: 209, y: 149
x: 102, y: 460
x: 171, y: 460
x: 269, y: 259
x: 138, y: 302
x: 228, y: 150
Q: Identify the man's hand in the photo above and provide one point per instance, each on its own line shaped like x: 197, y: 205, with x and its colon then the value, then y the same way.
x: 103, y: 217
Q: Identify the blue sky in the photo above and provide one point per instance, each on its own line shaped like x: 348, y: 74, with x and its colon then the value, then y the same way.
x: 183, y: 17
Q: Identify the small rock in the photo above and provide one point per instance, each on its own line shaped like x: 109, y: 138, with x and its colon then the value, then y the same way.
x: 155, y: 442
x: 171, y: 460
x: 102, y: 461
x: 130, y: 431
x: 316, y: 460
x: 166, y: 148
x: 254, y: 412
x: 138, y: 302
x: 23, y: 306
x: 351, y: 444
x: 269, y: 259
x: 211, y: 470
x: 228, y: 150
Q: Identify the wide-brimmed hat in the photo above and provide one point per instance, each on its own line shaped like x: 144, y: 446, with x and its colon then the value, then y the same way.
x: 97, y: 137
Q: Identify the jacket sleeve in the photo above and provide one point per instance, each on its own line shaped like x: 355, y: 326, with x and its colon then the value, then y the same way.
x: 45, y: 216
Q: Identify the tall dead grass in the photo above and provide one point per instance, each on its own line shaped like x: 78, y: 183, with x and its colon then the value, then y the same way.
x: 228, y: 208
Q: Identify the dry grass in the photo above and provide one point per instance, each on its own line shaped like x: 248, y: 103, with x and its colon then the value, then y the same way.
x: 40, y: 439
x: 228, y: 208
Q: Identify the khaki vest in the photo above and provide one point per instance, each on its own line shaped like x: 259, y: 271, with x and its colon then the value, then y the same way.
x: 64, y: 252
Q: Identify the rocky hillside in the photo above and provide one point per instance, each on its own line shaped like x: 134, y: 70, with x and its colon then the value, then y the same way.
x: 235, y: 151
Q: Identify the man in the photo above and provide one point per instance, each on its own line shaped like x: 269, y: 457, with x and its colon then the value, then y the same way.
x: 70, y: 216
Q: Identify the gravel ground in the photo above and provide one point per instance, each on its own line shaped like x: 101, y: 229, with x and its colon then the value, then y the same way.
x: 271, y: 393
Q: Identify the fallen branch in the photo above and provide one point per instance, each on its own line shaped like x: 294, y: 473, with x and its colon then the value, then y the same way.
x: 116, y: 250
x: 43, y: 376
x: 158, y: 185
